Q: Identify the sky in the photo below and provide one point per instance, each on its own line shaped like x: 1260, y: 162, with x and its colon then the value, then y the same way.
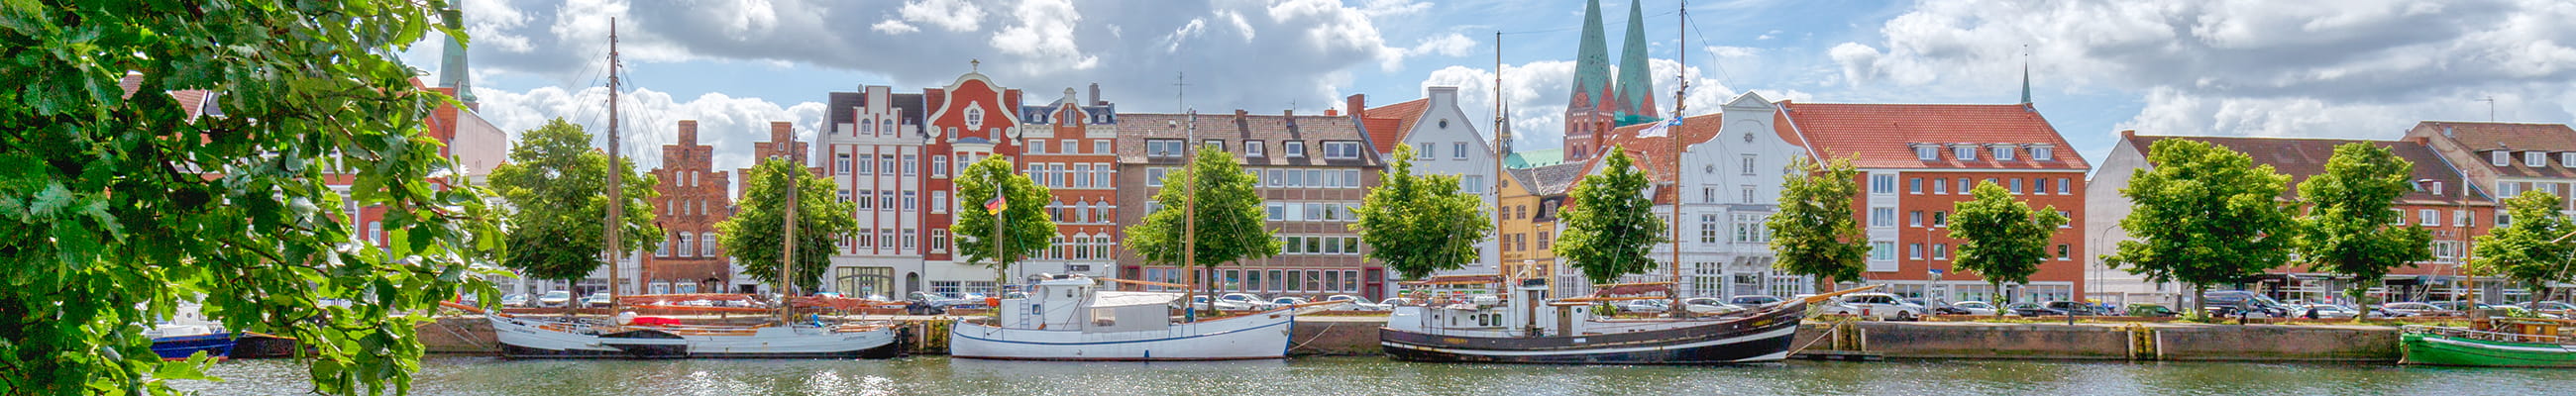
x: 2354, y: 69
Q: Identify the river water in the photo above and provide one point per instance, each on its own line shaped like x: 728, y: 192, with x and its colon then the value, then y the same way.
x: 934, y: 375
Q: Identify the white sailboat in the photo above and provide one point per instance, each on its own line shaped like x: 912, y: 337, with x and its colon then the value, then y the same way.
x: 624, y: 337
x: 1079, y: 318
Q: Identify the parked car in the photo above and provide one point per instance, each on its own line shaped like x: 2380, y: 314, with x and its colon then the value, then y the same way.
x: 1645, y: 306
x: 2078, y: 308
x: 2414, y: 309
x: 2032, y: 310
x: 2239, y: 302
x: 1876, y: 306
x: 1967, y: 308
x: 2323, y: 311
x: 2151, y: 310
x: 1357, y: 303
x: 1286, y: 301
x: 2551, y: 307
x: 1710, y: 306
x: 515, y: 300
x: 554, y: 299
x: 595, y: 300
x: 1753, y: 301
x: 1241, y: 302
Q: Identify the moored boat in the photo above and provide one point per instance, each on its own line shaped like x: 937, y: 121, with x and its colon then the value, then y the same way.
x: 178, y: 342
x: 1071, y: 318
x: 2500, y: 342
x: 555, y: 337
x: 1520, y: 329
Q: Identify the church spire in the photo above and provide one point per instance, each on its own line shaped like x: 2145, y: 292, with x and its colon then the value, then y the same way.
x: 2025, y: 74
x: 1636, y: 76
x: 1589, y: 110
x: 452, y: 71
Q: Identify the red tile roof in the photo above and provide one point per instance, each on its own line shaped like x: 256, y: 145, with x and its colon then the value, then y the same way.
x: 2481, y: 138
x: 1398, y: 118
x: 1882, y: 135
x: 1655, y: 154
x: 2302, y: 158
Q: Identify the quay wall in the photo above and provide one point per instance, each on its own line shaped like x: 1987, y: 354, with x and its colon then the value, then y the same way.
x: 1357, y: 336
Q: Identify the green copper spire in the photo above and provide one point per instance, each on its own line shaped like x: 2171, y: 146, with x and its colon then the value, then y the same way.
x: 451, y: 69
x: 1591, y: 64
x: 1636, y: 77
x: 2025, y: 82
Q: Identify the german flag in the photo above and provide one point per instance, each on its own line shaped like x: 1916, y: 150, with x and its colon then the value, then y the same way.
x: 996, y: 205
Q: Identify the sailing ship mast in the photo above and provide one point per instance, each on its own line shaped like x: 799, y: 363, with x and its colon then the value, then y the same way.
x: 616, y: 176
x: 1190, y: 220
x: 1675, y: 289
x: 787, y: 261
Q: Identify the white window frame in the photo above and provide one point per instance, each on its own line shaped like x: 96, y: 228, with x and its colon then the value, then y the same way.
x: 2499, y: 158
x: 2003, y: 152
x: 1927, y: 152
x: 1252, y: 148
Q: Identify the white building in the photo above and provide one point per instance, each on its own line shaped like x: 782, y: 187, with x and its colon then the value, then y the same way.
x: 1729, y: 184
x: 871, y: 133
x: 1445, y: 142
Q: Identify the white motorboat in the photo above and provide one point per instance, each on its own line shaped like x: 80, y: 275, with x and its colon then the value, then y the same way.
x: 1072, y: 317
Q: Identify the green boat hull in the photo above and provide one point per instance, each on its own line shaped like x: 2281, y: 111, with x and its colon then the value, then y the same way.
x: 2441, y: 350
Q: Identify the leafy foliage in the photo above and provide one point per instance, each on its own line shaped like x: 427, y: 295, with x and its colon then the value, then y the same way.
x: 1026, y: 227
x: 756, y: 234
x: 1418, y: 224
x: 2204, y: 214
x: 2528, y: 251
x: 1610, y: 226
x: 2005, y: 240
x: 118, y: 204
x: 2347, y: 230
x: 557, y: 187
x: 1230, y: 221
x: 1814, y: 233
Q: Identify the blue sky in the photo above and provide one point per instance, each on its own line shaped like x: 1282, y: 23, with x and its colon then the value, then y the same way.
x: 2354, y: 69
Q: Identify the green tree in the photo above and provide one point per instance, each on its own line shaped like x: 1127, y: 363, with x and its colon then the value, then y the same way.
x: 556, y: 188
x: 2204, y: 214
x: 1418, y: 224
x: 1229, y: 217
x: 1026, y: 227
x: 2347, y: 230
x: 117, y: 204
x: 2529, y: 251
x: 1610, y: 226
x: 755, y: 236
x: 1814, y: 233
x: 2006, y: 240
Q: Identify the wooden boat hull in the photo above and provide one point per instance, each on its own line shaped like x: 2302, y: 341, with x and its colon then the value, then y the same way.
x: 521, y: 338
x: 181, y: 347
x: 1248, y: 337
x: 2447, y: 350
x: 261, y: 346
x: 1763, y: 337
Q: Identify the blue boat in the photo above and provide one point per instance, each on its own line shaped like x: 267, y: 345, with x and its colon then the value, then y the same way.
x: 181, y: 347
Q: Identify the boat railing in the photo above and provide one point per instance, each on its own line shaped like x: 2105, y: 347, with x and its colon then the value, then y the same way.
x: 2484, y: 335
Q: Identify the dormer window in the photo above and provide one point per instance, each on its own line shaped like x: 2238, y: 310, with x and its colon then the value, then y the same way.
x: 2535, y: 159
x: 1927, y: 152
x: 2434, y: 188
x: 2043, y: 153
x: 2004, y: 152
x: 2498, y: 158
x: 1965, y: 152
x: 1252, y: 148
x: 1295, y: 148
x: 2567, y: 159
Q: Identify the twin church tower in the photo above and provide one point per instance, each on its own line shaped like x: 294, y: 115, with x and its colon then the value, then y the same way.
x: 1598, y: 104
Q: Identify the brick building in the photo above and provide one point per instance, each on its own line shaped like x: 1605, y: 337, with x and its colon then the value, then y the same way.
x: 1918, y: 161
x: 1072, y: 150
x: 2504, y: 160
x: 782, y: 144
x: 970, y: 119
x: 1312, y: 169
x: 693, y: 198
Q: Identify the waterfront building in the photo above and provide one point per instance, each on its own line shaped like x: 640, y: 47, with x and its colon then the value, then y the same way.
x: 1445, y: 142
x: 2504, y: 160
x: 867, y: 135
x: 692, y: 198
x: 2437, y: 204
x: 1072, y: 150
x: 782, y: 144
x: 1598, y: 104
x: 1531, y: 199
x: 971, y: 118
x: 1312, y: 170
x: 1917, y: 161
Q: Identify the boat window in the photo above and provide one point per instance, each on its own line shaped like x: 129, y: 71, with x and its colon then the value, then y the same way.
x: 1104, y: 317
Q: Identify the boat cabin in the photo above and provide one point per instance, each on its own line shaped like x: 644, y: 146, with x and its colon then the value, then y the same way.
x: 1074, y: 302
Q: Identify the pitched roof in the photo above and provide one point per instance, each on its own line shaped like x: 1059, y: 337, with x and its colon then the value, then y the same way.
x: 1534, y: 158
x: 1403, y: 115
x: 2511, y: 136
x: 1655, y: 154
x: 1137, y: 128
x: 1550, y: 179
x: 1883, y: 135
x: 2303, y: 158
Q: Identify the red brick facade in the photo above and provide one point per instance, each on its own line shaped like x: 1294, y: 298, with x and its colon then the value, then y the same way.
x: 692, y: 200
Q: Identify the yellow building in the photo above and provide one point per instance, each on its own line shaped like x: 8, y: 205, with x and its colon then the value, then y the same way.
x: 1528, y: 206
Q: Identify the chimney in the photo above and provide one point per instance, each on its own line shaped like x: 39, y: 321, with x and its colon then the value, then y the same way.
x: 1095, y: 95
x: 1288, y: 113
x: 2128, y: 133
x: 688, y: 132
x: 1332, y: 112
x: 1239, y: 113
x: 1358, y: 104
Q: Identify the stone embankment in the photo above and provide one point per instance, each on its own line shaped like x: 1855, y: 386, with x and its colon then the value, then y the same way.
x: 1357, y: 336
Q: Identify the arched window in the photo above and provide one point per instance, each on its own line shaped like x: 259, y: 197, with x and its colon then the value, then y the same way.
x: 889, y: 127
x: 868, y: 127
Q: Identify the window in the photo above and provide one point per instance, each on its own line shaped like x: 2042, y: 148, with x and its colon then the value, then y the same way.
x: 1882, y: 217
x: 1940, y: 251
x: 1748, y: 193
x: 1940, y: 186
x: 844, y: 195
x: 1748, y: 164
x: 2508, y: 189
x: 885, y: 199
x: 2064, y: 185
x: 1295, y: 148
x: 1071, y: 146
x: 1038, y: 146
x: 1472, y: 184
x: 2498, y: 158
x: 1708, y: 194
x: 911, y: 164
x: 1914, y: 251
x: 688, y: 245
x: 1213, y: 144
x: 939, y: 166
x: 939, y: 201
x: 908, y: 200
x: 885, y: 163
x: 867, y: 238
x: 2535, y: 158
x: 867, y: 199
x: 841, y: 164
x: 2064, y: 252
x: 2003, y: 152
x: 1965, y: 152
x: 1082, y: 176
x: 1882, y: 184
x: 1544, y: 242
x: 974, y: 116
x: 1940, y: 218
x: 1351, y: 178
x: 2434, y: 188
x: 2461, y: 218
x: 1927, y: 152
x: 1163, y: 148
x: 1252, y: 148
x: 1708, y: 228
x: 1914, y: 218
x: 2041, y: 187
x: 1458, y: 150
x: 2397, y: 216
x: 2016, y: 185
x: 865, y: 166
x: 1154, y: 176
x: 907, y: 238
x: 2070, y: 219
x: 1339, y: 150
x: 2428, y: 217
x: 710, y: 246
x: 663, y: 249
x: 1100, y: 146
x: 2043, y: 153
x: 1278, y: 211
x: 1914, y: 185
x: 1423, y: 150
x: 1882, y: 250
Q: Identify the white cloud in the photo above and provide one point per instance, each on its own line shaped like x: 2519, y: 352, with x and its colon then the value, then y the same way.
x: 953, y: 15
x: 891, y: 26
x: 2361, y: 68
x: 1385, y: 8
x: 1045, y: 32
x: 1537, y: 92
x: 1723, y: 51
x: 1452, y: 44
x: 729, y: 124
